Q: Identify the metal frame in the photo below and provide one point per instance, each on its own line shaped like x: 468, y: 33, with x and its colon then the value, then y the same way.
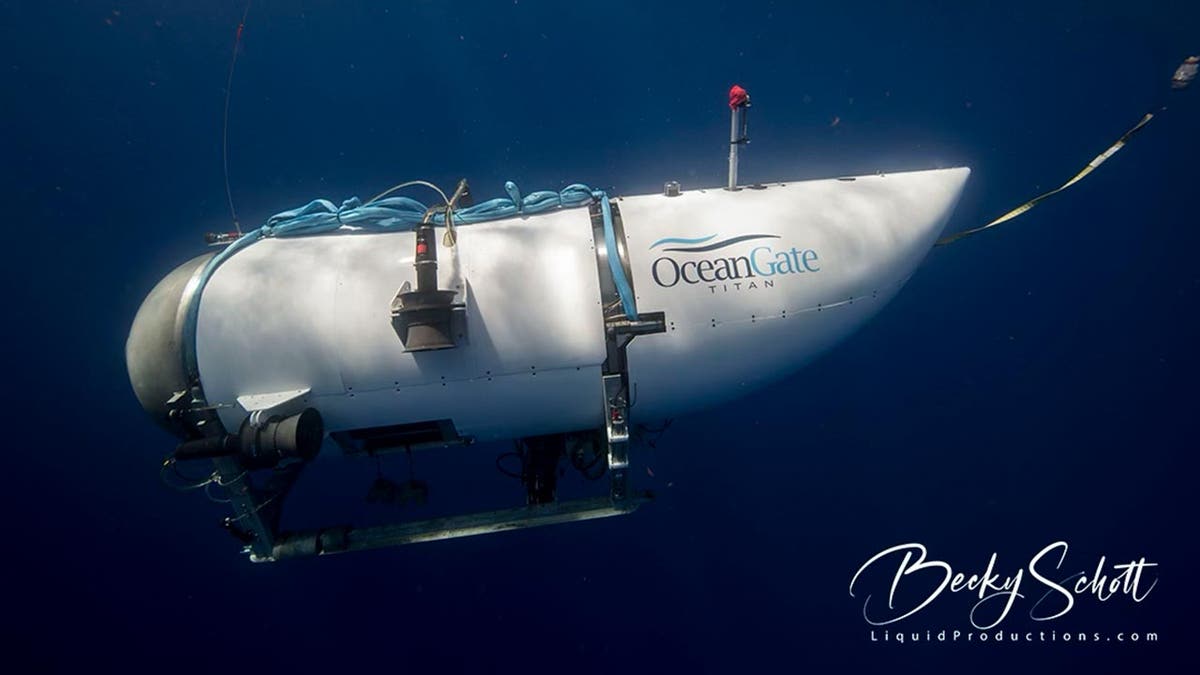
x: 346, y: 539
x: 251, y: 521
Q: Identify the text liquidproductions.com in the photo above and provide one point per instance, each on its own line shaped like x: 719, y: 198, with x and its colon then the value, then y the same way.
x: 1009, y: 636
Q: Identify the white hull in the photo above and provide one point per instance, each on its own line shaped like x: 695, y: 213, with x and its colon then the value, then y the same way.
x: 312, y: 312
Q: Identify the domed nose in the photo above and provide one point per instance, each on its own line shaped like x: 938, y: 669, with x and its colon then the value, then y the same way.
x: 152, y: 350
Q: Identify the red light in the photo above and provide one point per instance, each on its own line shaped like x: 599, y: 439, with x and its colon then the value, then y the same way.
x: 738, y: 96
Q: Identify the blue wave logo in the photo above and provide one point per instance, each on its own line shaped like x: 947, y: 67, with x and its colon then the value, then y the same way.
x: 705, y: 247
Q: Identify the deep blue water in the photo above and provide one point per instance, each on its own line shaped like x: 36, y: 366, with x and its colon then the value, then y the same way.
x: 1031, y: 384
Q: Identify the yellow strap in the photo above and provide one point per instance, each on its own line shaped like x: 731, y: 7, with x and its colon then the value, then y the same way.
x: 1100, y: 159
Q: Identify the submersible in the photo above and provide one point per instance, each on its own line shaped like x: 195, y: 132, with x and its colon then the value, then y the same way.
x: 557, y: 319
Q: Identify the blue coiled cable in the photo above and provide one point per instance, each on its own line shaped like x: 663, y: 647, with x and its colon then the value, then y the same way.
x: 399, y: 214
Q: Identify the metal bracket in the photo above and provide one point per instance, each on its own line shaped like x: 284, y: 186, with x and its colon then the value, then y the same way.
x: 616, y: 422
x: 617, y: 401
x: 619, y: 331
x: 255, y: 511
x: 247, y: 506
x: 283, y: 403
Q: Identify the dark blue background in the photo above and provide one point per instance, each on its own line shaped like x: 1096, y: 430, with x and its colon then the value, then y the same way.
x: 1034, y: 383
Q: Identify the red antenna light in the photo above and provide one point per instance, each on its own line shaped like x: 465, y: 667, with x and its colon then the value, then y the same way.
x: 738, y: 97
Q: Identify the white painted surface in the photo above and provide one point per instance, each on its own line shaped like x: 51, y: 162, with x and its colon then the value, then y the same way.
x: 313, y: 312
x: 867, y: 235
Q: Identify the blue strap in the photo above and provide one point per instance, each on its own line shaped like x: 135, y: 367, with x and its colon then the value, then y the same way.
x: 624, y: 290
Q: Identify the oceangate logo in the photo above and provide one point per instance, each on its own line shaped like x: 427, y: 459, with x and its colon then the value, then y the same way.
x: 758, y: 267
x: 1053, y: 595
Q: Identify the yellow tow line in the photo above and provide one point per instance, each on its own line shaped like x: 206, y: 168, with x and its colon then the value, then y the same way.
x: 1100, y: 159
x: 1180, y: 80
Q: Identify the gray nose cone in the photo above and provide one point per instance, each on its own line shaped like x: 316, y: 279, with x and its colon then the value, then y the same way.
x: 152, y: 352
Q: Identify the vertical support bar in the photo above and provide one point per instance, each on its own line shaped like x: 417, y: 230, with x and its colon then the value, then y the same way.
x: 236, y: 481
x: 616, y: 427
x: 734, y: 144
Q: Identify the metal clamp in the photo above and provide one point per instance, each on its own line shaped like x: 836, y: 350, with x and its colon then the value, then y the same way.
x: 619, y: 331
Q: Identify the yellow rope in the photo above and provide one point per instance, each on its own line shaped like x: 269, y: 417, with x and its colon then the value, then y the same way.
x: 1100, y: 159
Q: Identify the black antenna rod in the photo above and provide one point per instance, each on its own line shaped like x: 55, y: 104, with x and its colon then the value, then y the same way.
x: 237, y: 42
